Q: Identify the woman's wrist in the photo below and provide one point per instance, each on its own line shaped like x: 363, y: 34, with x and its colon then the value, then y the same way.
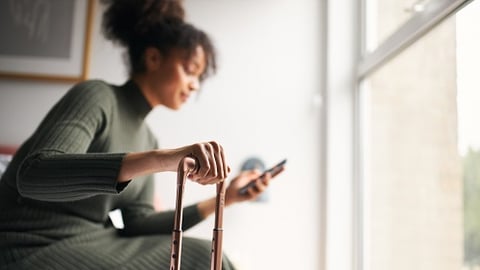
x: 148, y: 162
x: 206, y: 208
x: 170, y: 158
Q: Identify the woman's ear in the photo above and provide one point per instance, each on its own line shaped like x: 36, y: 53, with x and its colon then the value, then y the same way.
x: 153, y: 58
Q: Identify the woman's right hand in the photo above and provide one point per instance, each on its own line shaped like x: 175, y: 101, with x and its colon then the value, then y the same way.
x: 210, y: 157
x: 212, y: 166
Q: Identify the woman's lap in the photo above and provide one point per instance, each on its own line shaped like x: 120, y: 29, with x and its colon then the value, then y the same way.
x: 110, y: 251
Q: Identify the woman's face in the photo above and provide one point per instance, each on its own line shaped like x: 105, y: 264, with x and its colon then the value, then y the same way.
x: 174, y: 77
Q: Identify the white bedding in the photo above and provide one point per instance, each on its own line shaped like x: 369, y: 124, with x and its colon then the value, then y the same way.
x: 4, y: 160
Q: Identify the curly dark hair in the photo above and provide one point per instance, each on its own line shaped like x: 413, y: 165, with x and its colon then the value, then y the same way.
x: 139, y: 24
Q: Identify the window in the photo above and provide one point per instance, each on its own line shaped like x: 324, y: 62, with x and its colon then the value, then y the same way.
x: 420, y: 158
x: 383, y: 17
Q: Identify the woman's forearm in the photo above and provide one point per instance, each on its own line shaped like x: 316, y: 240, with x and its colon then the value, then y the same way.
x: 210, y: 158
x: 207, y: 207
x: 144, y: 163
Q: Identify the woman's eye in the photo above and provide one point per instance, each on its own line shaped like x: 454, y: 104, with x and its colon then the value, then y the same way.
x: 192, y: 68
x: 189, y: 69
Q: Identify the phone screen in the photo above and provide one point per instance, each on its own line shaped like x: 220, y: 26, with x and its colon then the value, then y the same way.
x: 273, y: 171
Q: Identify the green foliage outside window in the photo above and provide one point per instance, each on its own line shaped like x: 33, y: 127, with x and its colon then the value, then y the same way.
x: 471, y: 199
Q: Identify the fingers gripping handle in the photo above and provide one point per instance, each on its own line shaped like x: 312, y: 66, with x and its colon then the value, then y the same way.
x: 187, y: 165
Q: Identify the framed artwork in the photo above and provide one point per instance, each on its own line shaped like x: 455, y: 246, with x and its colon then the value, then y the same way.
x: 45, y: 39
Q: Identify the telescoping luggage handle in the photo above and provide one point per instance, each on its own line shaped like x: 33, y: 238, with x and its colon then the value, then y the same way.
x: 186, y: 166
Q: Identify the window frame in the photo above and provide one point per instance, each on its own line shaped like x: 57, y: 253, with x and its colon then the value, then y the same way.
x: 434, y: 12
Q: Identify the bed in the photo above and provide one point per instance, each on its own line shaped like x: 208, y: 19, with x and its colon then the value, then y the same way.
x: 6, y: 153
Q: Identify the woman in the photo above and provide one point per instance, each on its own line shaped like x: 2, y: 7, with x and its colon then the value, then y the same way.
x: 94, y: 153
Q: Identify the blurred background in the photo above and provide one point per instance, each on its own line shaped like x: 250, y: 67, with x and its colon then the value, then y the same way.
x: 374, y: 103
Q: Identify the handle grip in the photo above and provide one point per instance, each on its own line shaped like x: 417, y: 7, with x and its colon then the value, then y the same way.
x: 186, y: 166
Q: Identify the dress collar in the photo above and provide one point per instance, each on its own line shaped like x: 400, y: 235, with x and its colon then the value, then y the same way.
x: 136, y: 98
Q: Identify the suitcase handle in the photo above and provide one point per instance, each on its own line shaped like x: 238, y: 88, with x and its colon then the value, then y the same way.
x: 187, y: 165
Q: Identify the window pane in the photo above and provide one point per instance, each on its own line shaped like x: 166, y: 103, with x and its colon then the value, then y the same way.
x: 468, y: 81
x: 384, y: 17
x: 422, y: 152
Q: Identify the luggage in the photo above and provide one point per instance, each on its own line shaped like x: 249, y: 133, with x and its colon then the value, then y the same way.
x: 185, y: 167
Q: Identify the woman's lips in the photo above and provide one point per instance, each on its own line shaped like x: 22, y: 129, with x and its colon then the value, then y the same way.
x: 184, y: 97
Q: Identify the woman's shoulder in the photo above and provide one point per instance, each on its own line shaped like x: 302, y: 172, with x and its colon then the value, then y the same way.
x: 96, y: 87
x: 91, y: 91
x: 89, y: 94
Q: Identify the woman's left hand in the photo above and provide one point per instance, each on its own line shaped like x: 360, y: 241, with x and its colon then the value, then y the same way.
x: 232, y: 194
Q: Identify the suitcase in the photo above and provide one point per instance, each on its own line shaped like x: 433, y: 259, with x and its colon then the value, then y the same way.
x: 186, y: 166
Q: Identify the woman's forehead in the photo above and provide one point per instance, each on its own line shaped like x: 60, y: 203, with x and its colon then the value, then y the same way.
x: 198, y: 55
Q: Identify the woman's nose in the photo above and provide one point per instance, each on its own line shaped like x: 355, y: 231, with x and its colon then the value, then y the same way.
x: 194, y: 84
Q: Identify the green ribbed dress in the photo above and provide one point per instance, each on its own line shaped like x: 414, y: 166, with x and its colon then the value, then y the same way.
x: 59, y: 188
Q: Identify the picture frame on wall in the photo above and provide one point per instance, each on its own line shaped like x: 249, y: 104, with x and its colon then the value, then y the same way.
x: 45, y: 39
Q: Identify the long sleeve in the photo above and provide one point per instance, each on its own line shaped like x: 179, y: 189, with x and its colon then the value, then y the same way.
x: 66, y: 177
x: 58, y: 166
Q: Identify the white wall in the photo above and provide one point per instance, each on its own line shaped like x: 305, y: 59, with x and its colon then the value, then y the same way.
x: 342, y: 49
x: 261, y: 103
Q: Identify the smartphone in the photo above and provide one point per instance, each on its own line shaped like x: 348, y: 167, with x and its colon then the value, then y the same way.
x: 273, y: 171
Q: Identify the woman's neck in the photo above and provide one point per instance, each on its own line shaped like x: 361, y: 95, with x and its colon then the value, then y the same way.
x: 146, y: 89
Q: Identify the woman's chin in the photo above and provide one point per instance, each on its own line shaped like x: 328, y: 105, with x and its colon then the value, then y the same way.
x: 175, y: 107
